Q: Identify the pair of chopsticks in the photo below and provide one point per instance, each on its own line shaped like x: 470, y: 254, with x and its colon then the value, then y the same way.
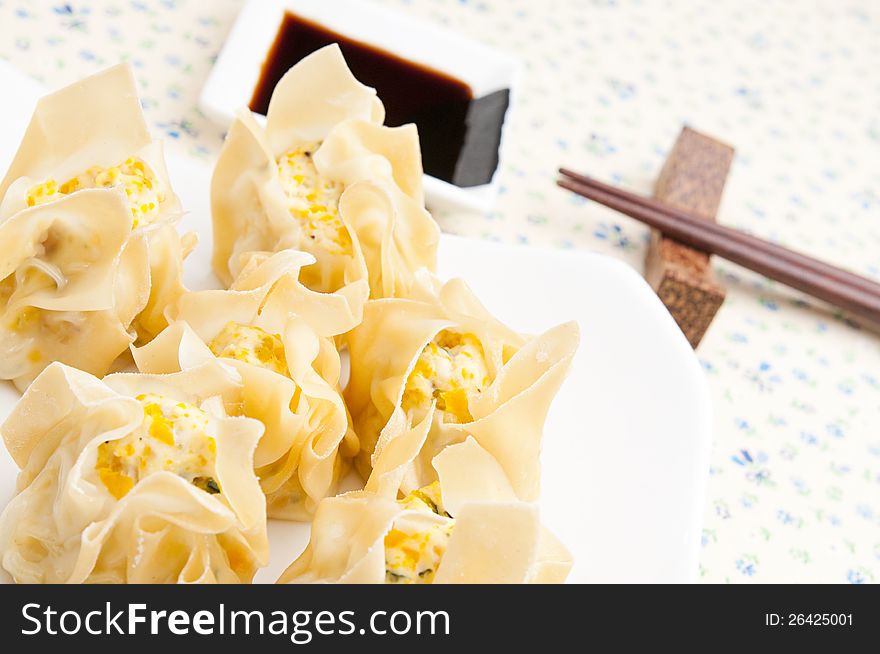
x: 855, y: 294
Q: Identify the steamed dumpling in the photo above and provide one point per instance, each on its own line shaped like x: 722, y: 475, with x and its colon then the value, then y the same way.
x: 92, y: 135
x: 324, y: 177
x: 440, y: 353
x: 279, y: 336
x: 133, y: 479
x: 466, y: 527
x: 73, y: 278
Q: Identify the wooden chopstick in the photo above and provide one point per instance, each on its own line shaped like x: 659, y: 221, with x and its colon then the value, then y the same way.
x: 655, y: 205
x: 840, y: 287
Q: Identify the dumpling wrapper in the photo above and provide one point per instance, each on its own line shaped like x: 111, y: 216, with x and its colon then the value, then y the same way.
x: 466, y: 472
x: 381, y: 207
x: 495, y: 538
x: 508, y: 416
x: 83, y: 317
x: 98, y: 121
x: 308, y: 435
x: 64, y: 526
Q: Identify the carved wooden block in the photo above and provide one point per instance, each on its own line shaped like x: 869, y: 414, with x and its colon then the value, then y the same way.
x: 692, y: 179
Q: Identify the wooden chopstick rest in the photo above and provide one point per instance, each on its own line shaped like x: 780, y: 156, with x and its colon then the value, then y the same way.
x: 692, y: 179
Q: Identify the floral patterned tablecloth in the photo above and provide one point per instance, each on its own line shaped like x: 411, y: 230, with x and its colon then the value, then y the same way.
x: 794, y: 492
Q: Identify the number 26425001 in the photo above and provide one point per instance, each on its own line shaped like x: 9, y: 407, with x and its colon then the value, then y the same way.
x: 808, y: 619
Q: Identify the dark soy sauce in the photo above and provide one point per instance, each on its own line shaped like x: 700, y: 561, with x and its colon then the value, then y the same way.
x: 459, y: 134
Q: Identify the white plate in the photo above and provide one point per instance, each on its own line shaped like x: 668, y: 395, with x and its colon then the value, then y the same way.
x: 626, y: 450
x: 235, y: 75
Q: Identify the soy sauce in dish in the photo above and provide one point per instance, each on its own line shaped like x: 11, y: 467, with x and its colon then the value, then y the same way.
x: 459, y: 134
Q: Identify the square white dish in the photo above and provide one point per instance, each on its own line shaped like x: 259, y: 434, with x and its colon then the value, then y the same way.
x: 235, y: 74
x: 626, y: 450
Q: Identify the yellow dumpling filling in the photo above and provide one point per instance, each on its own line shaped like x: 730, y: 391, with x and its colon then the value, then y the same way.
x: 139, y: 181
x: 412, y: 555
x: 251, y: 345
x: 313, y: 201
x: 172, y: 437
x: 450, y: 369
